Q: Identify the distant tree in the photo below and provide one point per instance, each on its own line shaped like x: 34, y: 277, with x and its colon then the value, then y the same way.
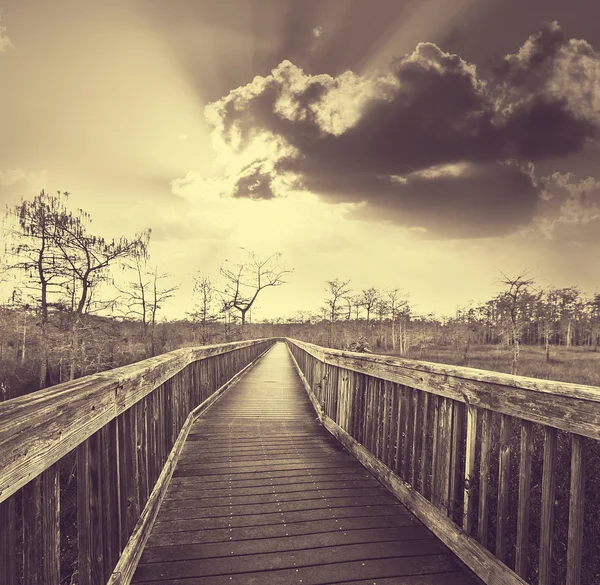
x: 243, y: 282
x: 34, y: 229
x: 205, y: 312
x: 144, y: 297
x: 338, y: 291
x: 515, y: 306
x: 369, y: 299
x: 399, y: 313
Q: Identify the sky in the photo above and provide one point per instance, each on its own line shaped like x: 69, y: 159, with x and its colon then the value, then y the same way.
x: 422, y: 144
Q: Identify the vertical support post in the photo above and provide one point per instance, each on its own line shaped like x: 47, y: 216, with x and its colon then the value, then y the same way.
x: 89, y: 512
x: 503, y: 486
x: 548, y: 489
x: 484, y: 476
x: 8, y: 541
x: 51, y: 524
x: 470, y: 469
x: 576, y: 507
x: 110, y: 489
x: 424, y: 446
x: 32, y: 532
x: 524, y: 498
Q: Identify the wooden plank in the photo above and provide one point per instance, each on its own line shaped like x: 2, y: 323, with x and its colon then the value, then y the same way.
x: 503, y: 486
x: 51, y: 525
x: 435, y: 452
x: 416, y: 437
x: 142, y: 450
x: 424, y: 446
x: 89, y: 513
x: 131, y: 461
x: 385, y: 431
x: 32, y: 533
x: 455, y: 465
x: 470, y: 469
x: 522, y: 552
x: 445, y: 451
x: 408, y: 436
x: 548, y: 495
x: 110, y: 488
x: 38, y: 429
x: 394, y: 421
x: 484, y: 476
x: 8, y: 542
x: 399, y: 426
x: 576, y: 509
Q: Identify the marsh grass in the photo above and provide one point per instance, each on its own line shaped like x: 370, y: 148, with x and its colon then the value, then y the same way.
x: 579, y: 365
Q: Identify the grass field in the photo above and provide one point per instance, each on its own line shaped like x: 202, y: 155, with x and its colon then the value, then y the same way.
x: 580, y: 365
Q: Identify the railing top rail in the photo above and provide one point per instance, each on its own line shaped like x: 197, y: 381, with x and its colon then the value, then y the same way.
x: 563, y: 405
x: 37, y: 429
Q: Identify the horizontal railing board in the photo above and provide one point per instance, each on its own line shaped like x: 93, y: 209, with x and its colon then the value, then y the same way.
x: 36, y: 430
x: 569, y: 407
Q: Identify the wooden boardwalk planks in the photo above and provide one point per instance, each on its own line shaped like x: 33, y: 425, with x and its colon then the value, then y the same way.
x: 264, y: 494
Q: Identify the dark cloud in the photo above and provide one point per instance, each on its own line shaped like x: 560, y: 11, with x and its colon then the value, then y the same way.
x: 254, y: 183
x: 366, y: 138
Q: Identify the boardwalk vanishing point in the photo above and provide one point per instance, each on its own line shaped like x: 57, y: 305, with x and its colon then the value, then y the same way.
x: 263, y: 494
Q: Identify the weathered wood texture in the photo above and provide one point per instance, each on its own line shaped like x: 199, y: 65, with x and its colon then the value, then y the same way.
x: 453, y: 438
x: 123, y: 425
x: 37, y: 429
x: 263, y: 494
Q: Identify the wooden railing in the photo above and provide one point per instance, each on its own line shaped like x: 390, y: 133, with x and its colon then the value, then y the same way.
x: 119, y: 433
x: 478, y: 456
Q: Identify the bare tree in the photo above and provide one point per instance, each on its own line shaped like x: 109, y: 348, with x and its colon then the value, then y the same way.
x: 369, y: 298
x: 244, y: 281
x: 399, y: 312
x: 514, y: 303
x: 204, y: 311
x: 144, y: 297
x: 34, y: 230
x: 338, y: 291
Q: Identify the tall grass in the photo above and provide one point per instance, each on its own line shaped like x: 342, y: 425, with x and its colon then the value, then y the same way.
x: 579, y: 365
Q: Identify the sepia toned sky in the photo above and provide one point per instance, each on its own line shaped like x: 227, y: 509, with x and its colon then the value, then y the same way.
x: 421, y: 144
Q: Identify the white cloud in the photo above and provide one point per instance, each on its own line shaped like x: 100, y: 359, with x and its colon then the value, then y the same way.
x: 5, y: 42
x: 11, y: 177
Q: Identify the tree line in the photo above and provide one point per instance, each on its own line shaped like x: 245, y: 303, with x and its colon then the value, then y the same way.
x: 81, y: 303
x: 375, y: 319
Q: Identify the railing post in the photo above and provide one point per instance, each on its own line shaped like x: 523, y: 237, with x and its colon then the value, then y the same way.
x: 503, y: 486
x: 89, y: 512
x: 32, y: 532
x: 576, y: 508
x: 470, y: 469
x: 51, y: 524
x: 484, y: 476
x: 8, y: 542
x: 547, y: 522
x: 521, y: 562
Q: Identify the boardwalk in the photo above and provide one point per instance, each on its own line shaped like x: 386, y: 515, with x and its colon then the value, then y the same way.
x: 263, y: 494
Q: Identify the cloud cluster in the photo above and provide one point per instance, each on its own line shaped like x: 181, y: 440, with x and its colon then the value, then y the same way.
x: 5, y: 42
x: 429, y: 143
x: 569, y: 209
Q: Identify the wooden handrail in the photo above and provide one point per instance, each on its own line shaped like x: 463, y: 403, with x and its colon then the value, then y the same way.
x: 126, y: 427
x: 442, y: 438
x: 569, y: 407
x: 37, y: 429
